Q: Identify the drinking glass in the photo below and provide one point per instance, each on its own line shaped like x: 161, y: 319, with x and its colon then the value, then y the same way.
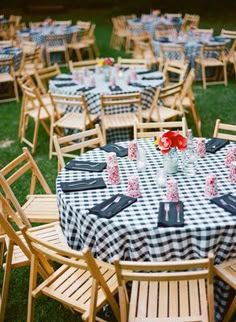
x: 161, y: 177
x: 141, y: 159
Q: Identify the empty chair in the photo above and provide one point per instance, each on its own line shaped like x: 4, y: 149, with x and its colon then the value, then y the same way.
x: 132, y: 62
x: 126, y: 117
x: 31, y: 60
x: 119, y: 32
x: 89, y: 39
x: 56, y: 44
x: 83, y: 64
x: 79, y: 120
x: 224, y: 131
x: 40, y: 208
x: 92, y: 283
x: 18, y: 253
x: 166, y: 291
x: 133, y: 30
x: 79, y: 47
x: 151, y: 130
x: 43, y: 76
x: 173, y: 53
x: 174, y: 71
x: 159, y: 111
x: 66, y: 23
x: 227, y: 272
x: 7, y: 76
x: 190, y: 20
x: 84, y: 25
x: 213, y: 56
x: 228, y: 33
x: 65, y: 145
x: 173, y: 15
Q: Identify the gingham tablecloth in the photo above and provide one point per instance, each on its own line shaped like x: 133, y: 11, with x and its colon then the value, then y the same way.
x: 9, y: 52
x: 102, y: 86
x: 133, y: 234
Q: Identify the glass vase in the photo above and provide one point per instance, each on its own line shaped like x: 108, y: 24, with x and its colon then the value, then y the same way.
x: 171, y: 161
x: 106, y: 73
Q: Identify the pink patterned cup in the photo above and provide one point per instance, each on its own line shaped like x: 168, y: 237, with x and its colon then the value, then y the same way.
x: 113, y: 174
x: 111, y: 159
x: 230, y: 156
x: 172, y: 193
x: 232, y: 172
x: 201, y: 147
x: 132, y: 150
x: 211, y: 186
x: 133, y: 187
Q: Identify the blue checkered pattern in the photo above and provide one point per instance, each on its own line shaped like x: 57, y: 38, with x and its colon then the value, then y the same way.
x: 9, y: 52
x: 133, y: 234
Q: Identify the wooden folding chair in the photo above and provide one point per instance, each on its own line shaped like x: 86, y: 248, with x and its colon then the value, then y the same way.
x: 89, y: 39
x: 159, y: 111
x: 67, y: 144
x: 41, y: 208
x: 31, y: 59
x: 56, y: 44
x: 227, y: 272
x: 81, y: 283
x: 213, y: 56
x: 78, y: 46
x: 66, y: 23
x: 7, y: 76
x: 174, y: 71
x: 175, y: 291
x: 153, y: 129
x: 43, y: 76
x: 83, y: 64
x: 224, y: 131
x: 80, y: 120
x: 133, y: 63
x: 125, y: 119
x: 18, y: 253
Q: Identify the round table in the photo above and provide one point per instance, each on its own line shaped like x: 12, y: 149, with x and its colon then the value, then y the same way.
x: 133, y: 234
x: 93, y: 83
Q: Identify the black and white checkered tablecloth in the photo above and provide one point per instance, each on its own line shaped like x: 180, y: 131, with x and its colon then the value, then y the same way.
x: 133, y: 234
x: 10, y: 52
x: 102, y: 86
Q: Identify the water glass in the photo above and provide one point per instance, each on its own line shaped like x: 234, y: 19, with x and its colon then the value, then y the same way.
x: 141, y: 159
x: 190, y: 163
x: 161, y: 177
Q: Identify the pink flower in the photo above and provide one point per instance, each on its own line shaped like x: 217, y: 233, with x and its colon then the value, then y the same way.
x: 171, y: 139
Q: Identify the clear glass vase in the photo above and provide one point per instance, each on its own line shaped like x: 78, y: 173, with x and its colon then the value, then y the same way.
x: 106, y: 73
x: 171, y: 161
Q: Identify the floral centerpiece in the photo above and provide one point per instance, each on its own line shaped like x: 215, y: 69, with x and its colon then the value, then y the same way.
x: 105, y: 64
x: 47, y: 21
x: 168, y: 144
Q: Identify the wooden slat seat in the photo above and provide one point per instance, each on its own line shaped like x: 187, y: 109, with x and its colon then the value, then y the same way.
x: 74, y: 120
x: 224, y: 131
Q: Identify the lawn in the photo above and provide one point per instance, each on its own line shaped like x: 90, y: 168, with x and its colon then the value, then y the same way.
x: 215, y: 102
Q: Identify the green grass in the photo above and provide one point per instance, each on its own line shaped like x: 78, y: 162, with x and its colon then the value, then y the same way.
x: 215, y: 102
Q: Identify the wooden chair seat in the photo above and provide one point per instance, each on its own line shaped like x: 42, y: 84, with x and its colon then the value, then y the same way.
x: 74, y: 120
x: 63, y: 285
x: 43, y: 115
x: 119, y: 120
x: 41, y: 205
x: 209, y: 62
x: 19, y: 259
x: 6, y: 77
x: 55, y: 49
x: 186, y: 299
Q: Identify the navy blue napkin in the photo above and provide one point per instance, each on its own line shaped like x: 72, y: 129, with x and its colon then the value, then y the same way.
x: 173, y: 220
x: 137, y: 85
x: 119, y: 150
x: 110, y: 207
x: 66, y: 84
x: 115, y: 88
x: 152, y: 78
x: 227, y: 202
x: 85, y: 184
x: 86, y: 166
x: 59, y: 78
x: 219, y: 38
x: 123, y: 68
x: 85, y: 89
x: 215, y: 144
x: 163, y: 39
x: 145, y: 72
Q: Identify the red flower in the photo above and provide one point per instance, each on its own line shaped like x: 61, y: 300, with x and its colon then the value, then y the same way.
x: 169, y: 140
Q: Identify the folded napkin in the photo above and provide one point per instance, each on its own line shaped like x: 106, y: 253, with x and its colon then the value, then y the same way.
x: 115, y: 88
x: 123, y: 68
x: 110, y: 207
x: 215, y: 144
x: 218, y: 38
x: 59, y: 78
x: 152, y: 78
x: 145, y: 72
x: 119, y: 150
x: 163, y: 39
x: 227, y: 202
x: 171, y: 219
x: 85, y: 89
x: 86, y: 166
x: 137, y: 85
x: 86, y: 184
x: 66, y: 84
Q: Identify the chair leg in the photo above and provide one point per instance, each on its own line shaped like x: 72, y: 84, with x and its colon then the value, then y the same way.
x: 36, y: 129
x: 32, y: 285
x: 225, y: 75
x: 6, y: 281
x: 230, y: 311
x: 2, y: 248
x: 16, y: 91
x: 78, y: 54
x: 203, y: 77
x: 67, y: 57
x: 196, y: 119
